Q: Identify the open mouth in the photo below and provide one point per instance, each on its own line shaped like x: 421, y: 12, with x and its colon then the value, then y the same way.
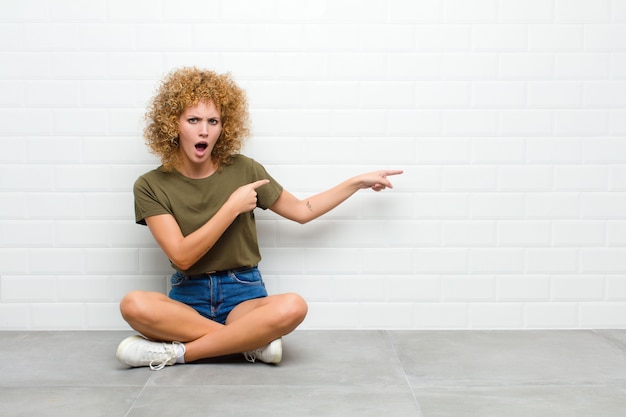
x: 201, y: 146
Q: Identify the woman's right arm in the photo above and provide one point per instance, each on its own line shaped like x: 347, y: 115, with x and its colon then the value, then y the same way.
x: 184, y: 251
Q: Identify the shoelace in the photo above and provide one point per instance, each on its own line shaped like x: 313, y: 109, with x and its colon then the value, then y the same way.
x: 251, y: 355
x: 168, y: 353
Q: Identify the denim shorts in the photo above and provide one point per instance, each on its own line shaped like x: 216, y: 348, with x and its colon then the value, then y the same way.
x: 215, y: 294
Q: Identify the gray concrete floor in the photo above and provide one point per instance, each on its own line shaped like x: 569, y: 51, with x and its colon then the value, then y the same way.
x: 327, y: 373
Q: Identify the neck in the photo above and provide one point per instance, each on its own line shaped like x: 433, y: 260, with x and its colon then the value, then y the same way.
x: 198, y: 172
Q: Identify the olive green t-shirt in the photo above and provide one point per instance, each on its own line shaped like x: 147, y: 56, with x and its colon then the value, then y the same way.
x: 193, y: 202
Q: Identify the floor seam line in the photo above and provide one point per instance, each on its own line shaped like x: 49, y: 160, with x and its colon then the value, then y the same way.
x: 406, y: 377
x: 145, y: 385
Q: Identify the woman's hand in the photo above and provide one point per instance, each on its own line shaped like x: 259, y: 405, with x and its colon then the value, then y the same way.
x: 377, y: 180
x: 243, y: 199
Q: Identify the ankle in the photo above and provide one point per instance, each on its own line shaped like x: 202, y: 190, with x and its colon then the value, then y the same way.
x: 180, y: 352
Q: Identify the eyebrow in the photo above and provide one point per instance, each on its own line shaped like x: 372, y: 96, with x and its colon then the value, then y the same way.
x: 196, y: 116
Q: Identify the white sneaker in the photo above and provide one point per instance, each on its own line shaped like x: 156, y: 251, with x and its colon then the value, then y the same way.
x: 272, y: 353
x: 138, y: 351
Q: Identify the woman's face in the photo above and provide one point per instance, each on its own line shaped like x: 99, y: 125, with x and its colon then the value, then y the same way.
x: 199, y: 128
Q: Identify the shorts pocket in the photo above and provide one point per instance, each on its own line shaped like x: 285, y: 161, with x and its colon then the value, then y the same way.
x: 250, y: 276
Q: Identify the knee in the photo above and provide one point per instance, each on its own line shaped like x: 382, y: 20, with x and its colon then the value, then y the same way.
x: 134, y: 306
x: 294, y: 309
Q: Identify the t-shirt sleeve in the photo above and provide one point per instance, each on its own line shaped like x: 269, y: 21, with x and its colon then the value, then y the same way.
x: 266, y: 194
x: 146, y: 202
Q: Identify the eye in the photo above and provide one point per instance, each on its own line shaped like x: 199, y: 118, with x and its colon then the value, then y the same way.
x: 214, y: 121
x: 192, y: 120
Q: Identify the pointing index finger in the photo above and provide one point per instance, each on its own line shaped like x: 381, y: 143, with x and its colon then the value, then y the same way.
x: 393, y: 172
x: 259, y: 183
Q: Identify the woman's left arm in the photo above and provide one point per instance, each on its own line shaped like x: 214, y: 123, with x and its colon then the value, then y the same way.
x: 303, y: 211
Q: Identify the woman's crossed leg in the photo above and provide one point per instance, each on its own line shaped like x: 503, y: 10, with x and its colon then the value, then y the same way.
x: 178, y: 333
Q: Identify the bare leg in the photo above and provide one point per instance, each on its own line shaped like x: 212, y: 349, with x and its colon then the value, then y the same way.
x: 252, y: 324
x: 158, y: 317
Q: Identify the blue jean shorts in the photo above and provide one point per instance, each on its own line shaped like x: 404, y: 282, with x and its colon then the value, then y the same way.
x: 215, y: 294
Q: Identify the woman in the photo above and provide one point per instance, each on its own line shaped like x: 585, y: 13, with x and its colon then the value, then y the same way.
x: 199, y: 207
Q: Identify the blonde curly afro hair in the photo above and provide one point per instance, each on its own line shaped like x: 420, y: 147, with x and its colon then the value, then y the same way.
x: 186, y: 87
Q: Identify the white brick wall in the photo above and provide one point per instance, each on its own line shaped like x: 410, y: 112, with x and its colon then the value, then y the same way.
x: 508, y: 117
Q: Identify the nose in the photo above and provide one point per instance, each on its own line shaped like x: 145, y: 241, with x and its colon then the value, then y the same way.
x: 204, y: 129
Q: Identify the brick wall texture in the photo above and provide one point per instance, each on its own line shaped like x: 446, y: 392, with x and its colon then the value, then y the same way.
x: 507, y: 116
